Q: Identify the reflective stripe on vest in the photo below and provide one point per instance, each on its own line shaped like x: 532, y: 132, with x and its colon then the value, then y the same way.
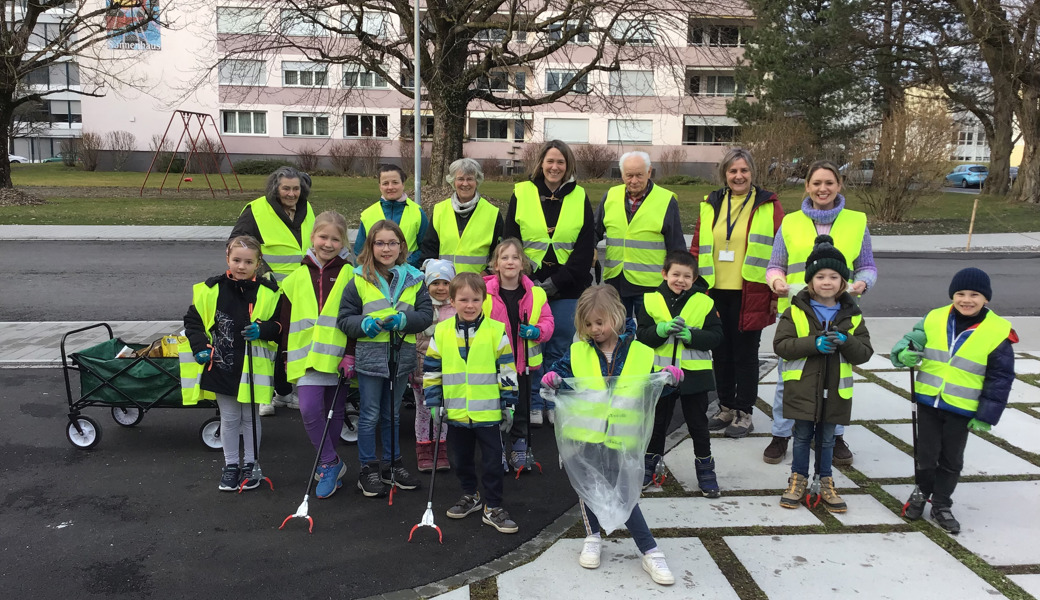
x: 635, y: 248
x: 470, y: 385
x: 617, y: 423
x: 534, y: 349
x: 469, y: 252
x: 958, y: 378
x: 374, y: 304
x: 411, y: 219
x: 697, y: 307
x: 756, y: 255
x: 314, y: 340
x: 280, y: 249
x: 535, y: 233
x: 204, y: 298
x: 793, y: 368
x: 799, y: 230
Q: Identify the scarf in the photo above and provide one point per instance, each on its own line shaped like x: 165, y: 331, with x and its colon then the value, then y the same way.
x: 464, y: 208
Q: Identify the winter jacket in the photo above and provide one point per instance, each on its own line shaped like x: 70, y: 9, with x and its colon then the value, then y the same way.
x: 246, y: 224
x: 441, y: 312
x: 393, y: 210
x: 431, y: 241
x: 563, y: 368
x: 803, y: 398
x: 706, y: 338
x: 323, y: 277
x: 545, y: 323
x: 757, y: 301
x: 571, y: 278
x: 373, y: 358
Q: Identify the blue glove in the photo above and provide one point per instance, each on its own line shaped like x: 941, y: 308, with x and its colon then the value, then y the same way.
x: 251, y: 332
x: 371, y: 327
x: 394, y: 322
x: 530, y: 332
x: 977, y: 425
x: 825, y: 345
x: 837, y: 337
x: 202, y: 356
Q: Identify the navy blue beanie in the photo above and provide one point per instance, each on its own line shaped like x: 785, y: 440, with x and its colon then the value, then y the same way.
x: 972, y: 279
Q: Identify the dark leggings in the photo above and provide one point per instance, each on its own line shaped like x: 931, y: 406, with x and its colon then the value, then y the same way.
x: 694, y: 408
x: 941, y: 438
x: 735, y: 360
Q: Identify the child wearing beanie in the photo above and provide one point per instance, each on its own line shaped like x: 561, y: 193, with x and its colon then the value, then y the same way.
x: 821, y: 335
x: 439, y: 274
x: 966, y: 368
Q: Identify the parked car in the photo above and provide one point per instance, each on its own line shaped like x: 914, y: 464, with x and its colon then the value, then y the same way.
x: 967, y: 175
x: 14, y: 158
x: 1014, y: 174
x: 55, y: 158
x: 862, y: 175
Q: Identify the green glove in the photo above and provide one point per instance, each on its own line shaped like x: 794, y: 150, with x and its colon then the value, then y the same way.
x: 664, y: 329
x: 909, y: 358
x: 685, y: 335
x: 977, y: 425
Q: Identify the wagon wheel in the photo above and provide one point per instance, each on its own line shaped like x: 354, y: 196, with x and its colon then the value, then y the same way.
x: 127, y: 417
x: 88, y: 435
x: 348, y: 434
x: 210, y: 433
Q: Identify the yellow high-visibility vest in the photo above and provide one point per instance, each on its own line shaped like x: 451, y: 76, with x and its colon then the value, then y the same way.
x: 799, y: 230
x: 411, y: 220
x: 535, y: 233
x: 282, y: 252
x: 374, y: 304
x: 314, y: 340
x: 697, y: 307
x: 635, y: 248
x: 469, y: 251
x: 793, y: 368
x: 470, y: 385
x: 759, y: 244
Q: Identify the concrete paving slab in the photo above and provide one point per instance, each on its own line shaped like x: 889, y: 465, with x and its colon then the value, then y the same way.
x: 1029, y: 583
x: 461, y: 593
x: 998, y: 519
x: 1027, y: 366
x: 770, y: 377
x: 556, y: 574
x: 1021, y: 392
x: 900, y: 379
x: 1019, y: 429
x: 739, y: 466
x: 980, y: 456
x: 864, y: 509
x: 871, y: 402
x: 878, y: 362
x: 737, y: 511
x: 868, y: 565
x: 875, y: 457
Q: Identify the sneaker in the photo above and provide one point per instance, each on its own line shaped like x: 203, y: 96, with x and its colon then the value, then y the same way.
x: 706, y: 480
x: 265, y: 410
x: 551, y: 415
x: 499, y: 519
x: 914, y: 507
x: 330, y: 478
x: 280, y: 401
x: 402, y: 478
x: 424, y: 456
x: 792, y: 496
x: 842, y: 454
x: 230, y: 477
x: 721, y: 420
x: 650, y: 462
x: 292, y: 400
x: 518, y: 457
x: 467, y: 505
x: 369, y: 481
x: 943, y: 517
x: 655, y: 565
x: 505, y: 462
x: 590, y: 550
x: 776, y: 451
x: 536, y: 418
x: 741, y: 425
x: 831, y: 500
x: 442, y: 457
x: 248, y: 481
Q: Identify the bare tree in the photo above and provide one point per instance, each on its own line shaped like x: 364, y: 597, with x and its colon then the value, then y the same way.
x: 669, y: 162
x: 343, y: 154
x: 307, y: 158
x: 121, y: 144
x: 594, y: 160
x: 370, y: 153
x: 777, y: 143
x: 90, y: 146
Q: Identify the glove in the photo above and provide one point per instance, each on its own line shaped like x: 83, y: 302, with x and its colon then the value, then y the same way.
x: 677, y: 324
x: 346, y: 367
x: 837, y: 338
x: 507, y: 419
x: 977, y: 425
x: 394, y: 322
x: 251, y: 332
x: 202, y: 356
x: 674, y: 373
x: 664, y: 329
x: 551, y: 380
x: 685, y: 334
x: 549, y: 287
x: 909, y: 358
x: 433, y: 413
x: 529, y: 332
x: 824, y: 345
x: 371, y: 326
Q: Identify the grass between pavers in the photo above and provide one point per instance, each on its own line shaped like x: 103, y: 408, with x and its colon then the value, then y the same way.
x: 485, y: 589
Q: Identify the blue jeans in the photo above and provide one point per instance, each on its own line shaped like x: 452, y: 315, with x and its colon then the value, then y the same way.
x: 804, y: 439
x: 375, y: 412
x: 559, y: 343
x: 636, y: 525
x: 781, y: 426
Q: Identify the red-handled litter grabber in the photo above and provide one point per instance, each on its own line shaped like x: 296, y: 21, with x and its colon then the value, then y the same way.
x: 257, y: 473
x: 525, y: 388
x: 427, y: 518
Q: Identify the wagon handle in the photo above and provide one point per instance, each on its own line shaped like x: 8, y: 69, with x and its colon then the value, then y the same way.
x: 65, y: 357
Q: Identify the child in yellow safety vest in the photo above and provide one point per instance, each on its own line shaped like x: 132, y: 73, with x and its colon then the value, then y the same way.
x: 821, y: 335
x: 470, y: 380
x: 966, y: 370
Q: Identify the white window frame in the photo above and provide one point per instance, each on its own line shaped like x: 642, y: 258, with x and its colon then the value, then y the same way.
x: 630, y: 131
x: 365, y: 80
x: 576, y: 131
x: 241, y: 72
x: 711, y: 34
x: 293, y: 23
x: 632, y: 83
x: 237, y: 115
x: 240, y: 20
x: 709, y: 85
x: 302, y: 71
x: 493, y: 77
x: 301, y: 120
x: 487, y: 125
x: 635, y: 32
x: 555, y: 32
x: 557, y: 79
x: 358, y: 118
x: 374, y: 23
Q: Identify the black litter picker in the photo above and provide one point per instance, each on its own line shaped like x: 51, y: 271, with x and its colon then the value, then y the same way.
x: 917, y: 496
x: 524, y: 391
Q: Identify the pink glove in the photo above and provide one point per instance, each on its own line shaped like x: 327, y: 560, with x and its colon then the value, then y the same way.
x: 675, y: 373
x: 346, y: 367
x: 552, y: 380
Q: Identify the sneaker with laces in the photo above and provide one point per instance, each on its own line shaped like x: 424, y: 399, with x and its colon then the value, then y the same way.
x: 776, y: 451
x: 499, y: 519
x: 402, y: 478
x: 248, y: 481
x: 505, y: 462
x: 518, y: 457
x: 369, y: 481
x: 280, y: 400
x: 230, y: 477
x: 721, y: 419
x: 741, y: 425
x: 590, y: 551
x: 842, y: 454
x: 467, y: 505
x: 943, y: 517
x: 657, y: 567
x: 914, y: 508
x: 265, y: 410
x: 536, y: 418
x: 650, y: 462
x: 330, y: 478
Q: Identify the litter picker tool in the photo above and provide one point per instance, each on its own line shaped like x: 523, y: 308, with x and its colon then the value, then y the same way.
x: 916, y: 496
x: 257, y: 473
x: 427, y: 518
x: 660, y: 472
x: 524, y: 391
x: 301, y: 511
x: 393, y: 355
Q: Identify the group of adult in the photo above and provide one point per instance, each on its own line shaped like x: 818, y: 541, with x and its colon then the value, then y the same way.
x: 750, y: 256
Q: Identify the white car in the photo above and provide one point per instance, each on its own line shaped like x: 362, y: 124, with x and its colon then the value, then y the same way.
x: 864, y: 175
x: 14, y: 158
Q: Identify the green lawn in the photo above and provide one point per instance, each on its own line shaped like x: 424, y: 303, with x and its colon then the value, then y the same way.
x: 76, y: 197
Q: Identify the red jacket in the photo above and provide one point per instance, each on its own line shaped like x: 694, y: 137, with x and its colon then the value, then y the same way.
x: 546, y: 324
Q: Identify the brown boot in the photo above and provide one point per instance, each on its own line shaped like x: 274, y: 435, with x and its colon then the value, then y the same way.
x: 442, y: 457
x: 721, y: 419
x: 795, y: 492
x: 776, y: 450
x: 831, y: 500
x: 424, y: 453
x: 842, y: 454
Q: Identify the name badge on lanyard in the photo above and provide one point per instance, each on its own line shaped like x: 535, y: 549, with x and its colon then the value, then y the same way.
x: 728, y: 255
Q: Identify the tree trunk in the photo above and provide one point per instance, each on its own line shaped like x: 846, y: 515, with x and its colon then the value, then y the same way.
x: 1000, y: 145
x: 1027, y: 186
x: 449, y: 131
x: 6, y: 114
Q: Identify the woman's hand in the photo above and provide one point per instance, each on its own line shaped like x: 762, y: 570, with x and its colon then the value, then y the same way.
x: 858, y: 287
x: 780, y: 287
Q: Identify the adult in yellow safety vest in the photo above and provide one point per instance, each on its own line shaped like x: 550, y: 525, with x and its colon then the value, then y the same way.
x: 466, y: 227
x: 394, y: 205
x: 640, y: 222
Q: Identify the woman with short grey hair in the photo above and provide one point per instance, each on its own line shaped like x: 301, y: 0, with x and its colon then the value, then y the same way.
x: 465, y: 227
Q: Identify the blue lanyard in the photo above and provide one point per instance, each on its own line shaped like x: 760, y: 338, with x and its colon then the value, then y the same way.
x: 729, y: 210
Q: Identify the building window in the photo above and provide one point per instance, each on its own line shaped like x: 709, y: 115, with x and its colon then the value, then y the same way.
x: 630, y: 131
x: 58, y: 75
x: 492, y: 129
x: 712, y: 135
x: 44, y: 34
x: 304, y: 74
x: 557, y: 80
x: 714, y: 85
x: 375, y: 24
x: 557, y: 31
x: 520, y: 81
x: 65, y: 111
x: 363, y: 79
x: 244, y: 122
x: 495, y: 81
x: 632, y: 83
x: 358, y: 126
x: 633, y: 32
x: 519, y: 130
x: 408, y: 127
x: 490, y: 35
x: 241, y: 72
x: 573, y: 131
x: 306, y: 124
x: 304, y: 23
x: 704, y: 34
x: 239, y: 20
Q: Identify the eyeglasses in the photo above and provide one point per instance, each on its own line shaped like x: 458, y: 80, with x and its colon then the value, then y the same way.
x: 390, y: 244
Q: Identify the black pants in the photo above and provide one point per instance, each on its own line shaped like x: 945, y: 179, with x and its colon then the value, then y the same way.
x: 523, y: 405
x: 735, y: 360
x: 462, y: 451
x: 694, y: 408
x: 941, y: 438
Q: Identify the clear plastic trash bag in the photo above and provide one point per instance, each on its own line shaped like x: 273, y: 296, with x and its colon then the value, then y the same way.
x: 603, y: 425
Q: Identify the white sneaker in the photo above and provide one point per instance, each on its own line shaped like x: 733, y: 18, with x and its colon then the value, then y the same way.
x: 265, y: 410
x: 292, y: 400
x: 551, y: 415
x: 655, y: 565
x: 536, y: 418
x: 589, y: 557
x: 280, y: 401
